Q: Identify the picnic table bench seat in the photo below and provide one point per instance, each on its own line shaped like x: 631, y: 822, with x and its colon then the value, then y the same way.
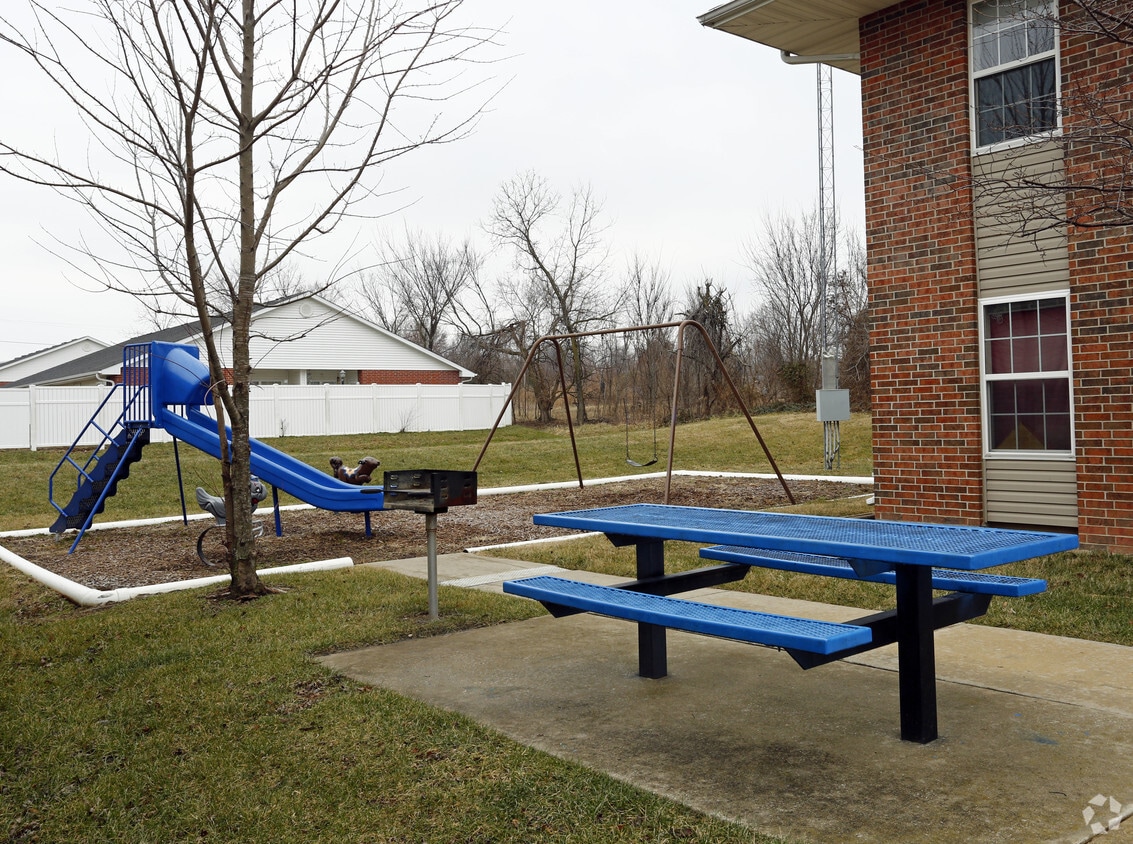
x: 780, y: 631
x: 949, y: 580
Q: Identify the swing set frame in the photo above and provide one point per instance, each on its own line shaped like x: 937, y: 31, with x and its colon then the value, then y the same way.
x: 682, y: 326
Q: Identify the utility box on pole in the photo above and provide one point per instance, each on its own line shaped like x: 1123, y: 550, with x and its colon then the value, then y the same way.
x: 833, y: 406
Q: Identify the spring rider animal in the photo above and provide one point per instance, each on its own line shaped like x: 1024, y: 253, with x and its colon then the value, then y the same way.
x: 359, y: 475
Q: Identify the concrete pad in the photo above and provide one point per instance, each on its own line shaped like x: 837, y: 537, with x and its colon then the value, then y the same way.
x: 1032, y: 727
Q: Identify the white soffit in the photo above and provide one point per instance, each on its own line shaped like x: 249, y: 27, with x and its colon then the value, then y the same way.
x: 802, y: 27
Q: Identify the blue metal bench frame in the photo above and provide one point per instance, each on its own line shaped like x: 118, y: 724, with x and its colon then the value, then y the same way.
x: 906, y: 552
x: 946, y: 580
x: 779, y: 631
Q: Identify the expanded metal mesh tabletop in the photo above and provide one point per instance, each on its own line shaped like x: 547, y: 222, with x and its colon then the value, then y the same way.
x: 947, y: 546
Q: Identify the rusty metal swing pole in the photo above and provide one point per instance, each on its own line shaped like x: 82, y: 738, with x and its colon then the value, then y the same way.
x: 680, y: 326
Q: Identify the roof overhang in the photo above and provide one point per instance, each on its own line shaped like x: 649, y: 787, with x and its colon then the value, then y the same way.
x: 811, y: 30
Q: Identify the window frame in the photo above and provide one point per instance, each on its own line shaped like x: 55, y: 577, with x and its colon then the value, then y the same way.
x: 975, y: 75
x: 987, y: 378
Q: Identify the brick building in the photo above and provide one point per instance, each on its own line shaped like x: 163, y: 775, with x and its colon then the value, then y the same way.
x: 1001, y: 354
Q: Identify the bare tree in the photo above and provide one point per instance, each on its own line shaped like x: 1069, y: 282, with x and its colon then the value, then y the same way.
x: 792, y: 326
x: 850, y: 322
x: 701, y: 378
x: 787, y: 265
x: 415, y: 289
x: 638, y: 375
x: 226, y: 136
x: 561, y: 258
x: 513, y: 316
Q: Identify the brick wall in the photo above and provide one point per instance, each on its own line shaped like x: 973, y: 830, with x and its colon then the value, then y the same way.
x: 1101, y: 267
x: 408, y: 376
x: 923, y: 295
x: 922, y: 272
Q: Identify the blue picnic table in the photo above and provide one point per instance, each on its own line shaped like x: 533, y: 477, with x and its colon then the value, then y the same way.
x: 916, y: 557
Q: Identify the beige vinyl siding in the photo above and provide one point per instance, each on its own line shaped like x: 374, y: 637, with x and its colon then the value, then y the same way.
x: 1016, y: 251
x: 1043, y: 493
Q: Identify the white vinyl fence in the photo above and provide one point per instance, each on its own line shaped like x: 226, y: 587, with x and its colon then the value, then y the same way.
x: 44, y: 417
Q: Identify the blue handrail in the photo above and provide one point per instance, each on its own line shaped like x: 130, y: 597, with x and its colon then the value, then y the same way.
x: 136, y: 415
x: 83, y: 473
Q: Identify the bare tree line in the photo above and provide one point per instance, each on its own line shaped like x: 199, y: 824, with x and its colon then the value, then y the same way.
x: 434, y: 291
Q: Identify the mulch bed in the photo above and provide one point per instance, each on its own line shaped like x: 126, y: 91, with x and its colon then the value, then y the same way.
x: 140, y: 556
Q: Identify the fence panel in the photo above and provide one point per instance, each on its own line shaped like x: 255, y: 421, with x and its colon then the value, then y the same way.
x: 15, y: 419
x: 49, y: 417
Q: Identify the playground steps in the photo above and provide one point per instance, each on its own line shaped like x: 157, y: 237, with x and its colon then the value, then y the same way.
x: 113, y: 465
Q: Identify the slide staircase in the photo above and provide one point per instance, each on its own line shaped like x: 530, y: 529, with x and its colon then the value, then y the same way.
x: 96, y: 478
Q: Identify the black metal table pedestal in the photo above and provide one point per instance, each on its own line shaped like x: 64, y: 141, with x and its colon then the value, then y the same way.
x: 916, y: 654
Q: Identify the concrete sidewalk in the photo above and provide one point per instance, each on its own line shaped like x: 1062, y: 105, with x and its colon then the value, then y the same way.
x: 1033, y: 727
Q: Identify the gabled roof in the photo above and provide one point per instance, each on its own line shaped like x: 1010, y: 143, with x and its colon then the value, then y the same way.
x: 45, y: 351
x: 805, y: 28
x: 92, y: 364
x: 109, y: 360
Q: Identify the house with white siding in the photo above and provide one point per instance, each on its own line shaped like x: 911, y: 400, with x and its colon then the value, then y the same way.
x: 49, y: 358
x: 296, y: 341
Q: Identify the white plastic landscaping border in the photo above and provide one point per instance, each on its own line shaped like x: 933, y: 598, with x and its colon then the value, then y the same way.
x: 84, y: 596
x: 88, y: 597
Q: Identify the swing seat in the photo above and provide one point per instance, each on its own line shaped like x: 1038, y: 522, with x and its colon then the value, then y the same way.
x: 641, y: 465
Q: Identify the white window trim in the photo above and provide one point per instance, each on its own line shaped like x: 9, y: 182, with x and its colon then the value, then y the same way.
x: 985, y: 422
x: 973, y: 100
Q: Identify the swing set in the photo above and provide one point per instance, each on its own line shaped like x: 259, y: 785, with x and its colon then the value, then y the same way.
x: 556, y: 340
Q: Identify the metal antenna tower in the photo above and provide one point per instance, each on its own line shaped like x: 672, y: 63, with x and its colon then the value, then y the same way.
x: 827, y: 213
x: 833, y: 404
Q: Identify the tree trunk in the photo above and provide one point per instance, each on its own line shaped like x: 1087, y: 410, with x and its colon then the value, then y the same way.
x: 242, y: 551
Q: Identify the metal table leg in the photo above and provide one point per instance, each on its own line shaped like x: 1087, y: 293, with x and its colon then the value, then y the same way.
x: 916, y: 653
x: 652, y: 654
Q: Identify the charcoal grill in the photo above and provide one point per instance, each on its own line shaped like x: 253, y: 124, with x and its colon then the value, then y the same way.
x: 429, y: 491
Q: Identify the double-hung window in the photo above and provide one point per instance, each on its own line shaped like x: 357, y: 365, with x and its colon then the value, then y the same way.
x: 1014, y: 69
x: 1026, y: 363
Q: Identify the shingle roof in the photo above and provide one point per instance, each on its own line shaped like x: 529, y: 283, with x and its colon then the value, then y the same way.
x: 45, y: 350
x: 111, y: 356
x: 103, y: 358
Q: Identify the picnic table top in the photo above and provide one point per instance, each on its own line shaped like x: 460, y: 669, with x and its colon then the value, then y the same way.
x: 890, y: 542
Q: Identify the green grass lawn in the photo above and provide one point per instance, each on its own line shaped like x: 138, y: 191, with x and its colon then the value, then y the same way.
x: 179, y: 718
x: 182, y: 718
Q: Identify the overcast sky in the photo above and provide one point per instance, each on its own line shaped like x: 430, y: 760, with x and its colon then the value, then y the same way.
x: 690, y: 137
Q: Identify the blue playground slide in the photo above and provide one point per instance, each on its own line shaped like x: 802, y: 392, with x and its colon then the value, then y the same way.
x: 165, y: 385
x: 274, y: 467
x: 179, y: 379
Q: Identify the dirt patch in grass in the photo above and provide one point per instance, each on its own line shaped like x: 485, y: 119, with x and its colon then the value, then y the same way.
x: 139, y: 556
